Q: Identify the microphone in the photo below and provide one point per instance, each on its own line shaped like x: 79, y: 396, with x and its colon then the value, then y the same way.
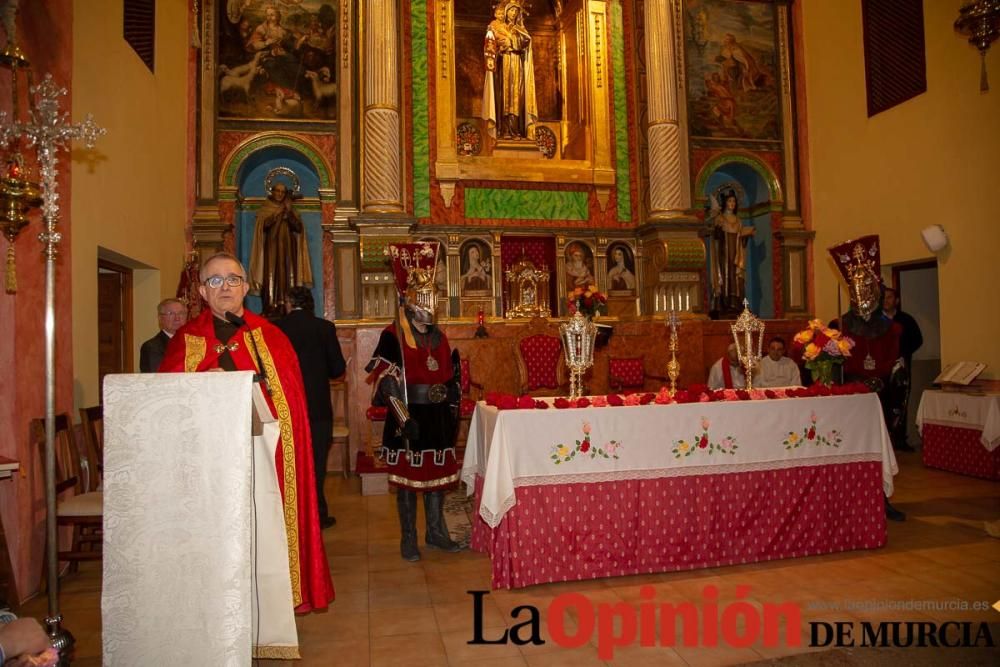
x: 235, y: 319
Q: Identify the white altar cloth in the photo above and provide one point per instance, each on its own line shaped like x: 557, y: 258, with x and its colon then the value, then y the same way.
x: 514, y: 448
x: 952, y: 408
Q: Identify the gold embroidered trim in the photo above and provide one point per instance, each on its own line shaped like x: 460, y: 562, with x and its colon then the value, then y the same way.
x: 276, y: 652
x: 423, y: 485
x: 194, y: 352
x: 288, y: 462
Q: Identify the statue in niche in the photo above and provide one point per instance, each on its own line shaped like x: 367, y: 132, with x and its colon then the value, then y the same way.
x: 279, y: 255
x: 729, y: 252
x: 509, y: 106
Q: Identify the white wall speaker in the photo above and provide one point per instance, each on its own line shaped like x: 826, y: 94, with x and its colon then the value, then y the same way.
x: 935, y: 238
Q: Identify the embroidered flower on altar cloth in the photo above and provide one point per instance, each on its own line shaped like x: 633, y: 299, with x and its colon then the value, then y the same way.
x: 703, y: 442
x: 562, y: 453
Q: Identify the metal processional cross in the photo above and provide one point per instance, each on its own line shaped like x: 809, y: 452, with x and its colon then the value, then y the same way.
x: 49, y: 130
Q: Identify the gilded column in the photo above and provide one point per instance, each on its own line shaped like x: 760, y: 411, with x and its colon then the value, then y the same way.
x: 381, y: 178
x: 668, y: 195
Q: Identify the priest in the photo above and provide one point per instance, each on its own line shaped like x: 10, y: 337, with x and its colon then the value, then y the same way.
x: 228, y: 338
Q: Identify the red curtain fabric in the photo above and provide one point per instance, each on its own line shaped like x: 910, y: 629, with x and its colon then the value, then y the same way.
x: 688, y: 522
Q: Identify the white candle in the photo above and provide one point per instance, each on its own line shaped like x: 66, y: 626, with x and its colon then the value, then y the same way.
x: 672, y: 306
x: 688, y: 305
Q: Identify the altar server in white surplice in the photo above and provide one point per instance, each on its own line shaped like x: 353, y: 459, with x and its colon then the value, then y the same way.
x: 777, y: 370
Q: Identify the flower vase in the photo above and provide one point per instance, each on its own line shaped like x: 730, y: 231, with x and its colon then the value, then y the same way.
x: 822, y: 371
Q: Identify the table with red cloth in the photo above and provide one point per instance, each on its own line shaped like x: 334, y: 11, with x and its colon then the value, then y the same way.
x: 584, y: 493
x: 961, y: 432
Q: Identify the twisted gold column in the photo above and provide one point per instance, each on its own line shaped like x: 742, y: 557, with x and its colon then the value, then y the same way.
x: 668, y: 196
x: 381, y: 186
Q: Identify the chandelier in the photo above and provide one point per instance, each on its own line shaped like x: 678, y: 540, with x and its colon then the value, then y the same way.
x: 980, y: 21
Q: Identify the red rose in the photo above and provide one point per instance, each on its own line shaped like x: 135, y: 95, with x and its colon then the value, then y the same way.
x: 561, y: 403
x: 525, y: 402
x: 615, y: 399
x: 743, y: 394
x: 683, y: 396
x: 812, y: 433
x: 584, y: 446
x: 541, y: 405
x: 583, y: 402
x: 491, y: 397
x: 646, y: 399
x: 696, y: 389
x: 506, y: 402
x: 703, y: 443
x: 770, y: 394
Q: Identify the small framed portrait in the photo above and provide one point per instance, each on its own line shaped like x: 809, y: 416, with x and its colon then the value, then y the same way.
x: 579, y: 266
x: 621, y: 269
x: 476, y: 277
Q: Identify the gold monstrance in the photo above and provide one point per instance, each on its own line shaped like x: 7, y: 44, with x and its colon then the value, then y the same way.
x: 747, y: 326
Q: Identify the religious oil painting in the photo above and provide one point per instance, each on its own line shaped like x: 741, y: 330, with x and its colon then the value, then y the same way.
x: 476, y: 266
x: 579, y: 266
x: 732, y: 69
x: 277, y: 60
x: 621, y: 269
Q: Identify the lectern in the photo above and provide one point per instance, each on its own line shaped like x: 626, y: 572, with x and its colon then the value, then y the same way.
x: 195, y: 549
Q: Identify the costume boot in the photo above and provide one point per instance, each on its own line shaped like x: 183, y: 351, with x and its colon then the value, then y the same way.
x: 437, y: 531
x: 406, y: 505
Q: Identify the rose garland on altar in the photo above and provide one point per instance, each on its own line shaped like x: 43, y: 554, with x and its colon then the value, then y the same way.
x: 693, y: 394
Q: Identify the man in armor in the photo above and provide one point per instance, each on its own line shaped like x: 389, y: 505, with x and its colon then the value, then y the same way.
x: 876, y: 359
x: 415, y: 376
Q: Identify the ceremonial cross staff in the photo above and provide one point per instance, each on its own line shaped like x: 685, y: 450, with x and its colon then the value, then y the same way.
x: 49, y: 129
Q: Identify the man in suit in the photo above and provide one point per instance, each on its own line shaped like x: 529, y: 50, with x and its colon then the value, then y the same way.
x: 315, y: 343
x: 172, y: 314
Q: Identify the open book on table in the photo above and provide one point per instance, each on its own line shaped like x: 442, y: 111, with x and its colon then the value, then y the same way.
x: 960, y: 373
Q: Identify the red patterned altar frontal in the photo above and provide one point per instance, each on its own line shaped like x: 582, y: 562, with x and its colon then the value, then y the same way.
x: 575, y: 531
x: 959, y: 450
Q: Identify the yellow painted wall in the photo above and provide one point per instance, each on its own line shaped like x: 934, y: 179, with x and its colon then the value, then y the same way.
x: 932, y: 159
x: 132, y: 199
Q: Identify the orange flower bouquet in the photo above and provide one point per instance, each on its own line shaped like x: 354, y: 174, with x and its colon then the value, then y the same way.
x: 821, y: 348
x: 588, y: 301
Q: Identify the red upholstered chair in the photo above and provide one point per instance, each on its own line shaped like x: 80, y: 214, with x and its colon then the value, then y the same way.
x: 540, y: 364
x: 628, y: 375
x: 468, y: 404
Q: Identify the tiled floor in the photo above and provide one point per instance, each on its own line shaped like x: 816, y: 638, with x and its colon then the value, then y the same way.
x: 390, y: 612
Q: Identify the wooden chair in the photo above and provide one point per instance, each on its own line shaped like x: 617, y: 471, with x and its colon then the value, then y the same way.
x: 340, y: 397
x: 628, y: 375
x: 540, y: 363
x: 83, y: 510
x: 92, y: 421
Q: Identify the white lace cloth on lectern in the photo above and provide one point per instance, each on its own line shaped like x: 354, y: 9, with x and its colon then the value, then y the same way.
x: 177, y: 519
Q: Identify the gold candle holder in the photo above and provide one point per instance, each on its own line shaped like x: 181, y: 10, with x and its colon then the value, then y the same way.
x: 673, y: 366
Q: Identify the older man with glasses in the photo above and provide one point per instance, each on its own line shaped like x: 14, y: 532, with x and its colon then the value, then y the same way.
x: 172, y: 314
x: 227, y: 337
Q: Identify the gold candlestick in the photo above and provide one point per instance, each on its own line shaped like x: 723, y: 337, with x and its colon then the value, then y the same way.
x: 673, y: 366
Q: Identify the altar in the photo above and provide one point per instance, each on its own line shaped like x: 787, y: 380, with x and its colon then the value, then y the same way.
x: 585, y: 493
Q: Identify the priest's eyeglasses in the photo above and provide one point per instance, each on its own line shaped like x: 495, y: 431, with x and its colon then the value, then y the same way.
x: 233, y: 280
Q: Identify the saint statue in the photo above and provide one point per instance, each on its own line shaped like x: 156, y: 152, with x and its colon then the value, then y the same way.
x: 279, y: 256
x: 729, y: 252
x: 509, y: 106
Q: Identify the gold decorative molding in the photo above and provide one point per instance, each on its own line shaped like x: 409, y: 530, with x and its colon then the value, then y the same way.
x: 787, y: 111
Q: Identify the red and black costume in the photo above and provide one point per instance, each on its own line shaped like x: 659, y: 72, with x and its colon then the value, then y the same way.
x: 415, y: 376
